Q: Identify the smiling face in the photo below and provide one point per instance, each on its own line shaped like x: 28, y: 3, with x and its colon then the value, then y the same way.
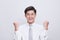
x: 30, y: 16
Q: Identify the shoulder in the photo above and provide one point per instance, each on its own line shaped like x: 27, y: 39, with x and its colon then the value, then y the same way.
x: 40, y: 27
x: 21, y: 26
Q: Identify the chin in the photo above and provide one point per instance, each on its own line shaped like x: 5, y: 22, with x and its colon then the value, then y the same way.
x: 31, y: 21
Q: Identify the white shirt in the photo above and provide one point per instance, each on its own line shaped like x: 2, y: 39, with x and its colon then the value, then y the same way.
x: 37, y: 30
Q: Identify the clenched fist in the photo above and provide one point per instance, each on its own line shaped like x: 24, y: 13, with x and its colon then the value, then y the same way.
x: 46, y: 23
x: 16, y: 25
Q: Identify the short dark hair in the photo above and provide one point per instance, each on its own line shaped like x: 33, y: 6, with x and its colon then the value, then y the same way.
x: 30, y: 8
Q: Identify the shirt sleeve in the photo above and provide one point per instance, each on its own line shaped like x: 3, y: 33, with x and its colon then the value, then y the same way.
x: 43, y: 34
x: 17, y: 35
x: 46, y: 34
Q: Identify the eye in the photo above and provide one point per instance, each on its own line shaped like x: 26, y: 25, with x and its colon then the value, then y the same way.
x: 27, y: 13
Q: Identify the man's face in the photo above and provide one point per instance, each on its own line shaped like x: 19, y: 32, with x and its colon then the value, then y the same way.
x: 30, y: 16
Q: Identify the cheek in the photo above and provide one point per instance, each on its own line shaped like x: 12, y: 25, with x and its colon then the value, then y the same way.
x: 33, y: 17
x: 27, y: 17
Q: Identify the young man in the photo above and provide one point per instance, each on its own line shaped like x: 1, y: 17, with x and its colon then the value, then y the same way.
x: 30, y: 30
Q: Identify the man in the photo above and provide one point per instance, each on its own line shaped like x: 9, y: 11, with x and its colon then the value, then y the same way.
x: 30, y: 30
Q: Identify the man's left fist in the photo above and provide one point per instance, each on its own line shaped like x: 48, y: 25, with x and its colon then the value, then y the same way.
x: 46, y: 23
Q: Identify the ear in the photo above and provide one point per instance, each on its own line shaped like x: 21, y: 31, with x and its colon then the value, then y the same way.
x: 35, y: 15
x: 25, y: 15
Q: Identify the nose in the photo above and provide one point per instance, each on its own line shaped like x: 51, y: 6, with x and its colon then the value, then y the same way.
x: 30, y: 16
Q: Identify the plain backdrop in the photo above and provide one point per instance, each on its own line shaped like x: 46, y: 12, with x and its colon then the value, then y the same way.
x: 13, y: 10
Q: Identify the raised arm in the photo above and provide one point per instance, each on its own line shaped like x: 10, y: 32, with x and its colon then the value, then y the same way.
x: 46, y: 24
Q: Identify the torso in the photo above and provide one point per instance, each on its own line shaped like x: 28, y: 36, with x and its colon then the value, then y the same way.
x: 36, y: 29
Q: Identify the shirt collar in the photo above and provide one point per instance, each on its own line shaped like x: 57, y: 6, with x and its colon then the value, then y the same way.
x: 31, y: 24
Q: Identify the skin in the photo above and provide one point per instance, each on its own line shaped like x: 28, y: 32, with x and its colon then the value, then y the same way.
x: 16, y: 25
x: 46, y: 23
x: 30, y: 16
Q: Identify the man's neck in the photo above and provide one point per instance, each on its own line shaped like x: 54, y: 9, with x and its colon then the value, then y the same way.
x: 30, y: 23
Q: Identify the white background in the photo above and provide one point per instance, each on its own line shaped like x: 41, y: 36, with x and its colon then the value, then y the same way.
x: 11, y: 10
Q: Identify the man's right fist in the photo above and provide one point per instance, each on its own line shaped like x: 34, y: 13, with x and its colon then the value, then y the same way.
x: 16, y: 25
